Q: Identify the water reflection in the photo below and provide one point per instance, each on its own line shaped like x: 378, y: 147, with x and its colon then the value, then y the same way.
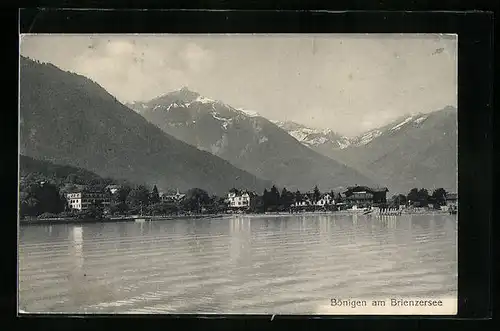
x: 76, y: 247
x: 76, y: 276
x: 240, y: 240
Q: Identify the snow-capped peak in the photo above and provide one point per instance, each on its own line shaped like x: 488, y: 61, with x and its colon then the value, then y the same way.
x: 202, y: 99
x: 313, y: 137
x: 398, y: 126
x: 250, y: 113
x: 366, y: 137
x: 420, y: 119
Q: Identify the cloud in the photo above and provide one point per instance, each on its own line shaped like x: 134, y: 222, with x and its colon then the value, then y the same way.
x: 134, y: 71
x: 197, y: 58
x: 120, y: 48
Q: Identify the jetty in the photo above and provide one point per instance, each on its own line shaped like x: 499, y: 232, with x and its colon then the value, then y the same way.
x: 390, y: 211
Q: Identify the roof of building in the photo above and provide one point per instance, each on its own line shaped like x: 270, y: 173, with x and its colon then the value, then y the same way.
x: 241, y: 192
x: 366, y: 188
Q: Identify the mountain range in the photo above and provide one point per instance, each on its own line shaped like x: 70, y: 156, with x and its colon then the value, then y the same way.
x: 418, y: 150
x: 246, y: 140
x: 183, y: 140
x: 68, y: 119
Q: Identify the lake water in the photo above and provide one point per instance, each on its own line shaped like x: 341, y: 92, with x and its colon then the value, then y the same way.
x: 239, y: 264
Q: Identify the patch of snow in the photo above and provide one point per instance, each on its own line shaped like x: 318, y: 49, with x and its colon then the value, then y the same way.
x: 216, y: 116
x: 156, y: 107
x: 327, y: 131
x: 175, y: 104
x: 318, y: 141
x: 225, y: 121
x: 298, y: 134
x: 204, y: 100
x: 248, y: 112
x: 369, y: 136
x: 263, y: 140
x: 344, y: 142
x: 397, y: 127
x: 420, y: 119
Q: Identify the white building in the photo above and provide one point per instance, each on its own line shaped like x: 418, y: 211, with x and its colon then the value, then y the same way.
x: 325, y: 200
x: 84, y: 200
x: 237, y: 199
x: 304, y: 203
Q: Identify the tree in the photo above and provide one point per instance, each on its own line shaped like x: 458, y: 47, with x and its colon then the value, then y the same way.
x: 195, y: 199
x: 95, y: 211
x: 266, y: 199
x: 286, y: 199
x: 71, y: 179
x: 397, y: 200
x: 118, y: 208
x: 29, y: 207
x: 121, y: 195
x: 297, y: 197
x: 44, y: 198
x: 423, y: 196
x: 413, y: 195
x: 154, y: 196
x: 216, y: 204
x: 316, y: 194
x: 400, y: 199
x: 439, y: 196
x: 138, y: 197
x: 274, y: 197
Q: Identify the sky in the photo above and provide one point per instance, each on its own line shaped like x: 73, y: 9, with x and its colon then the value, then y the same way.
x: 349, y: 83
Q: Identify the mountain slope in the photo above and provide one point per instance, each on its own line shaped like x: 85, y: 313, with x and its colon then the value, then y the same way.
x: 68, y: 119
x: 420, y: 151
x: 413, y: 151
x: 28, y: 165
x: 247, y: 140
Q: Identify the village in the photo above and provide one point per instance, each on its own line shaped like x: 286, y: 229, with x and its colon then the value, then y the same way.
x: 114, y: 202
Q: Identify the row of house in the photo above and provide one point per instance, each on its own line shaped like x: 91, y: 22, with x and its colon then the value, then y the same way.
x: 359, y: 196
x: 355, y: 196
x: 83, y: 199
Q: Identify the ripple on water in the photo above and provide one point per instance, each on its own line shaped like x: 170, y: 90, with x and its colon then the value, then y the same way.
x: 234, y: 265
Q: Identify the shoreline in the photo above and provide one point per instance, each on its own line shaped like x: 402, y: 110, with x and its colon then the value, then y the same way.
x: 66, y: 220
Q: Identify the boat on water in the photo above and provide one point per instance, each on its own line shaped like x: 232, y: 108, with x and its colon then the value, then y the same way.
x: 140, y: 217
